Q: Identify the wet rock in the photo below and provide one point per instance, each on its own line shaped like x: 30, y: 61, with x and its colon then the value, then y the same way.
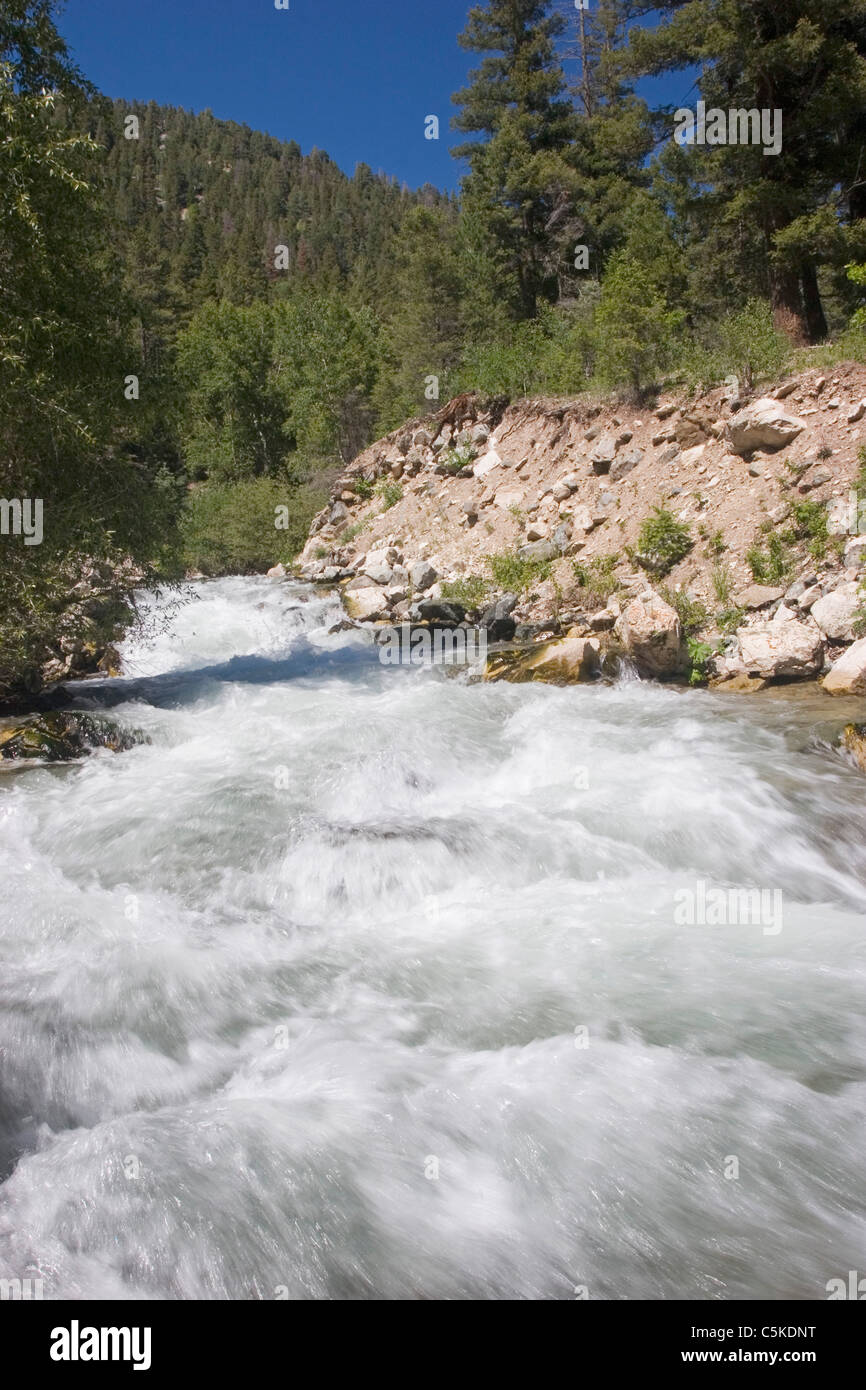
x: 438, y: 611
x: 63, y: 737
x: 853, y: 740
x: 497, y: 618
x: 278, y: 572
x: 563, y: 661
x: 366, y: 604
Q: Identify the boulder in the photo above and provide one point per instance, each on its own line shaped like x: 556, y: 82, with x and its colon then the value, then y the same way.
x: 563, y: 661
x: 847, y: 676
x: 758, y: 596
x: 539, y: 550
x: 422, y: 575
x: 622, y: 466
x: 367, y: 604
x: 278, y: 572
x: 439, y: 613
x: 338, y: 514
x: 650, y: 631
x: 762, y: 425
x: 497, y: 619
x: 836, y: 611
x: 783, y: 649
x: 854, y: 742
x: 855, y: 553
x: 603, y: 454
x: 486, y: 463
x: 61, y: 737
x: 378, y: 571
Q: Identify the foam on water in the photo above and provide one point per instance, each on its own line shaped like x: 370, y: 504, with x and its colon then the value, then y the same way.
x: 294, y: 996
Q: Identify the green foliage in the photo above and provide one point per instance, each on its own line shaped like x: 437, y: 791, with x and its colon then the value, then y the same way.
x: 513, y: 573
x: 730, y: 618
x: 470, y: 591
x: 663, y: 541
x: 810, y: 521
x: 772, y: 565
x: 596, y: 578
x: 692, y: 613
x: 391, y: 493
x: 744, y: 344
x: 722, y: 584
x: 700, y: 655
x: 231, y: 528
x: 635, y: 326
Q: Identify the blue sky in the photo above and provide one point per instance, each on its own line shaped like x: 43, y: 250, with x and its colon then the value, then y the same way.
x: 354, y: 77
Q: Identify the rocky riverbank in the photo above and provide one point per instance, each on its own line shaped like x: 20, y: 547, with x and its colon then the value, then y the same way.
x: 713, y: 538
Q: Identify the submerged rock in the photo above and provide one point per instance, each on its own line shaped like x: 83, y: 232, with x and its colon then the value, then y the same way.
x: 61, y: 737
x: 854, y: 742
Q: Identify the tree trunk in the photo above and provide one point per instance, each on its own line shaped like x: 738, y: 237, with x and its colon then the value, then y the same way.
x: 816, y: 322
x: 786, y: 298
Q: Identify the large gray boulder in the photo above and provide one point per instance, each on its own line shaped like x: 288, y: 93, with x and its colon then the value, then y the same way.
x: 764, y: 424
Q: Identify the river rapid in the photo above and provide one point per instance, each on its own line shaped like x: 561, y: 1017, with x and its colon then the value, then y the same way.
x: 360, y: 981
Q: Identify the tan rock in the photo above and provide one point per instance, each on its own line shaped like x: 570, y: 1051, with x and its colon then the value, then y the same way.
x: 764, y: 424
x: 780, y: 649
x: 650, y: 631
x: 847, y: 676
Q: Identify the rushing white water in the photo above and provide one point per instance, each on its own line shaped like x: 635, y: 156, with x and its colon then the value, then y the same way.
x: 362, y: 982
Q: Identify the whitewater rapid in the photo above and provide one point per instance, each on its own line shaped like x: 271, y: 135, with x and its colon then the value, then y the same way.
x: 363, y: 982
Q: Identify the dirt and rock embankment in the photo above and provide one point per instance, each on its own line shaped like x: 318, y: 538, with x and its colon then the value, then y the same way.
x: 711, y: 537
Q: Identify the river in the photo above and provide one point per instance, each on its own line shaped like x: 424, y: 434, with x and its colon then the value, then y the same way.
x: 358, y: 981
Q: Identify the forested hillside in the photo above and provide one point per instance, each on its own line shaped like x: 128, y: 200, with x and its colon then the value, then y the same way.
x: 201, y: 323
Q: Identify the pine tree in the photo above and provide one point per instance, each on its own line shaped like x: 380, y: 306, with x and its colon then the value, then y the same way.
x: 781, y: 212
x: 519, y: 181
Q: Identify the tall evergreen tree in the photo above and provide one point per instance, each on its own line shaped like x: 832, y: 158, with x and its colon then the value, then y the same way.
x: 784, y: 214
x: 519, y: 182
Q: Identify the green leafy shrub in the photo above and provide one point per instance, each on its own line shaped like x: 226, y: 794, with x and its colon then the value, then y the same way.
x: 596, y: 579
x: 470, y: 591
x: 693, y: 614
x: 363, y: 488
x: 515, y: 573
x: 810, y: 521
x: 391, y: 493
x: 772, y: 565
x: 662, y: 541
x: 700, y: 655
x: 231, y: 528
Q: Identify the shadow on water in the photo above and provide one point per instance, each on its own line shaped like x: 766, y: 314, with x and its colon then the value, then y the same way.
x: 174, y: 688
